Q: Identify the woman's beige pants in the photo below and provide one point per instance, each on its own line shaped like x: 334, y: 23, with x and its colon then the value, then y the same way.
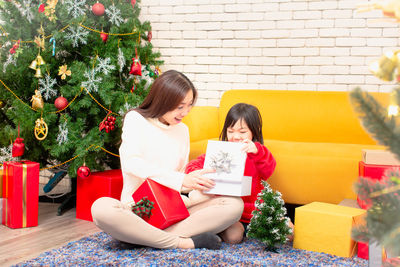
x: 213, y: 214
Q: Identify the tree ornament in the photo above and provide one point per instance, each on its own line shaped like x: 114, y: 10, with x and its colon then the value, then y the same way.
x: 39, y: 42
x: 92, y: 82
x: 384, y: 68
x: 41, y: 8
x: 64, y: 71
x: 133, y: 88
x: 18, y: 147
x: 38, y: 73
x: 35, y: 65
x: 104, y: 36
x: 121, y: 59
x: 37, y: 100
x: 77, y: 35
x: 146, y: 76
x: 62, y: 136
x: 157, y: 71
x: 98, y: 9
x: 14, y: 48
x: 53, y: 40
x: 47, y: 87
x: 83, y: 171
x: 133, y: 2
x: 108, y: 123
x: 136, y: 67
x: 104, y: 65
x: 149, y: 36
x: 41, y: 129
x: 114, y: 15
x: 2, y: 103
x: 50, y: 9
x: 60, y: 103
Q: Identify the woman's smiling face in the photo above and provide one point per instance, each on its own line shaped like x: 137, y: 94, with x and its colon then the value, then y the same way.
x: 175, y: 116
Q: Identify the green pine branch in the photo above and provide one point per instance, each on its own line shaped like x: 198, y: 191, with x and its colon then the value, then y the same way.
x: 375, y: 120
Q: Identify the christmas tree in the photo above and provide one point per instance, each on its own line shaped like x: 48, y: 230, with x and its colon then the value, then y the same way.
x: 382, y: 222
x: 269, y: 223
x: 69, y: 72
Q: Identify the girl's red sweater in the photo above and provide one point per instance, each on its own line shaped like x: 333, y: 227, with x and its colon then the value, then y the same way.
x: 259, y: 166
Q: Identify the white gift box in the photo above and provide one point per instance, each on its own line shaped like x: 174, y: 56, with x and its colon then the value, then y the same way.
x: 239, y: 188
x: 228, y: 159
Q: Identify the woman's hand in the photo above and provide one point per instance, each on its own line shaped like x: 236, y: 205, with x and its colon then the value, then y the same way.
x: 196, y: 180
x: 249, y: 146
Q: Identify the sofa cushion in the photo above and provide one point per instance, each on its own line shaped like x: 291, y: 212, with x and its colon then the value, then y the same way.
x: 307, y: 172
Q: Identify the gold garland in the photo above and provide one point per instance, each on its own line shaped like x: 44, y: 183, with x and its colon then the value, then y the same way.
x: 81, y: 25
x: 71, y: 159
x: 58, y: 111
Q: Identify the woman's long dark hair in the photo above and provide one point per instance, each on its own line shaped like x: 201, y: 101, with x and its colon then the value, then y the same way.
x: 250, y: 114
x: 166, y: 93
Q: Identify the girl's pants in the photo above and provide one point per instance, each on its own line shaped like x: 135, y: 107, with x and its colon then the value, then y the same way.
x: 212, y: 214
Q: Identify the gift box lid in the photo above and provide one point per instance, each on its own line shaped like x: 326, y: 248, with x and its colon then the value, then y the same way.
x: 109, y: 174
x: 332, y: 209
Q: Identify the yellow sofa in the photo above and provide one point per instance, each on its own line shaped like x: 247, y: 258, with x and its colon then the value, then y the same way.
x: 315, y: 137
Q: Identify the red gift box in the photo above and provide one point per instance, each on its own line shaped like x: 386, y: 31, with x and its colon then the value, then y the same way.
x: 21, y: 194
x: 362, y: 251
x: 168, y: 204
x: 374, y: 172
x: 96, y: 185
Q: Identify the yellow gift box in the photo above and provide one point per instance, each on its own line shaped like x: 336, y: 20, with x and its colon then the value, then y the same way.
x: 324, y: 227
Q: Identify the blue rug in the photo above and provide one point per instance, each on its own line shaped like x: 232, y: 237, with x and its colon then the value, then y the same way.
x: 102, y: 250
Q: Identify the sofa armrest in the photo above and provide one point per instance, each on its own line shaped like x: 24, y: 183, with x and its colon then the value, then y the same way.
x: 202, y: 122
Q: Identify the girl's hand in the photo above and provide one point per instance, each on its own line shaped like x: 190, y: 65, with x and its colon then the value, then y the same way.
x: 249, y: 146
x: 196, y: 180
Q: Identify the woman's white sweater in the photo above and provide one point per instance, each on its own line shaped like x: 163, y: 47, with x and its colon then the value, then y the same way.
x: 151, y: 149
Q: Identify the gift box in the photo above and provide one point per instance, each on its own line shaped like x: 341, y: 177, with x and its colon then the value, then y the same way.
x: 228, y: 160
x: 324, y: 227
x: 241, y: 187
x: 20, y: 193
x: 374, y: 172
x: 96, y: 185
x: 168, y: 207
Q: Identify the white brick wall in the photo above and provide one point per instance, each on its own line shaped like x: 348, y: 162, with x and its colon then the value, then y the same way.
x: 270, y: 44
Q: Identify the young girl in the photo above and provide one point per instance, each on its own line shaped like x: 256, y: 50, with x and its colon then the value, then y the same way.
x: 243, y: 124
x: 155, y: 144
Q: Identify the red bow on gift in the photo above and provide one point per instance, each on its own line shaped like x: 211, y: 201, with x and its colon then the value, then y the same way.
x: 143, y: 207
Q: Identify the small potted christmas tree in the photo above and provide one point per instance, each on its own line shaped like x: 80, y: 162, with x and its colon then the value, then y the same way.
x: 269, y: 223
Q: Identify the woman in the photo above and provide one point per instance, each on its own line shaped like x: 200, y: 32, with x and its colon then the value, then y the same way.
x: 155, y: 144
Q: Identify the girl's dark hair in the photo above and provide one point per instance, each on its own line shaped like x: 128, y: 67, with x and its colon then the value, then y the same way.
x: 166, y: 93
x: 250, y: 114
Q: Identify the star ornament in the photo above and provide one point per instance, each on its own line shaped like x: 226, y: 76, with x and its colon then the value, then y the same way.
x: 64, y: 71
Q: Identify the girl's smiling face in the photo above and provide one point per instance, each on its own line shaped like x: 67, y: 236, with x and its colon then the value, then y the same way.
x: 239, y: 132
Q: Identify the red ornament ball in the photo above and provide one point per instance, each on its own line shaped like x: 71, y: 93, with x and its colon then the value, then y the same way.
x: 60, y: 103
x: 83, y: 171
x: 98, y: 9
x: 104, y: 36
